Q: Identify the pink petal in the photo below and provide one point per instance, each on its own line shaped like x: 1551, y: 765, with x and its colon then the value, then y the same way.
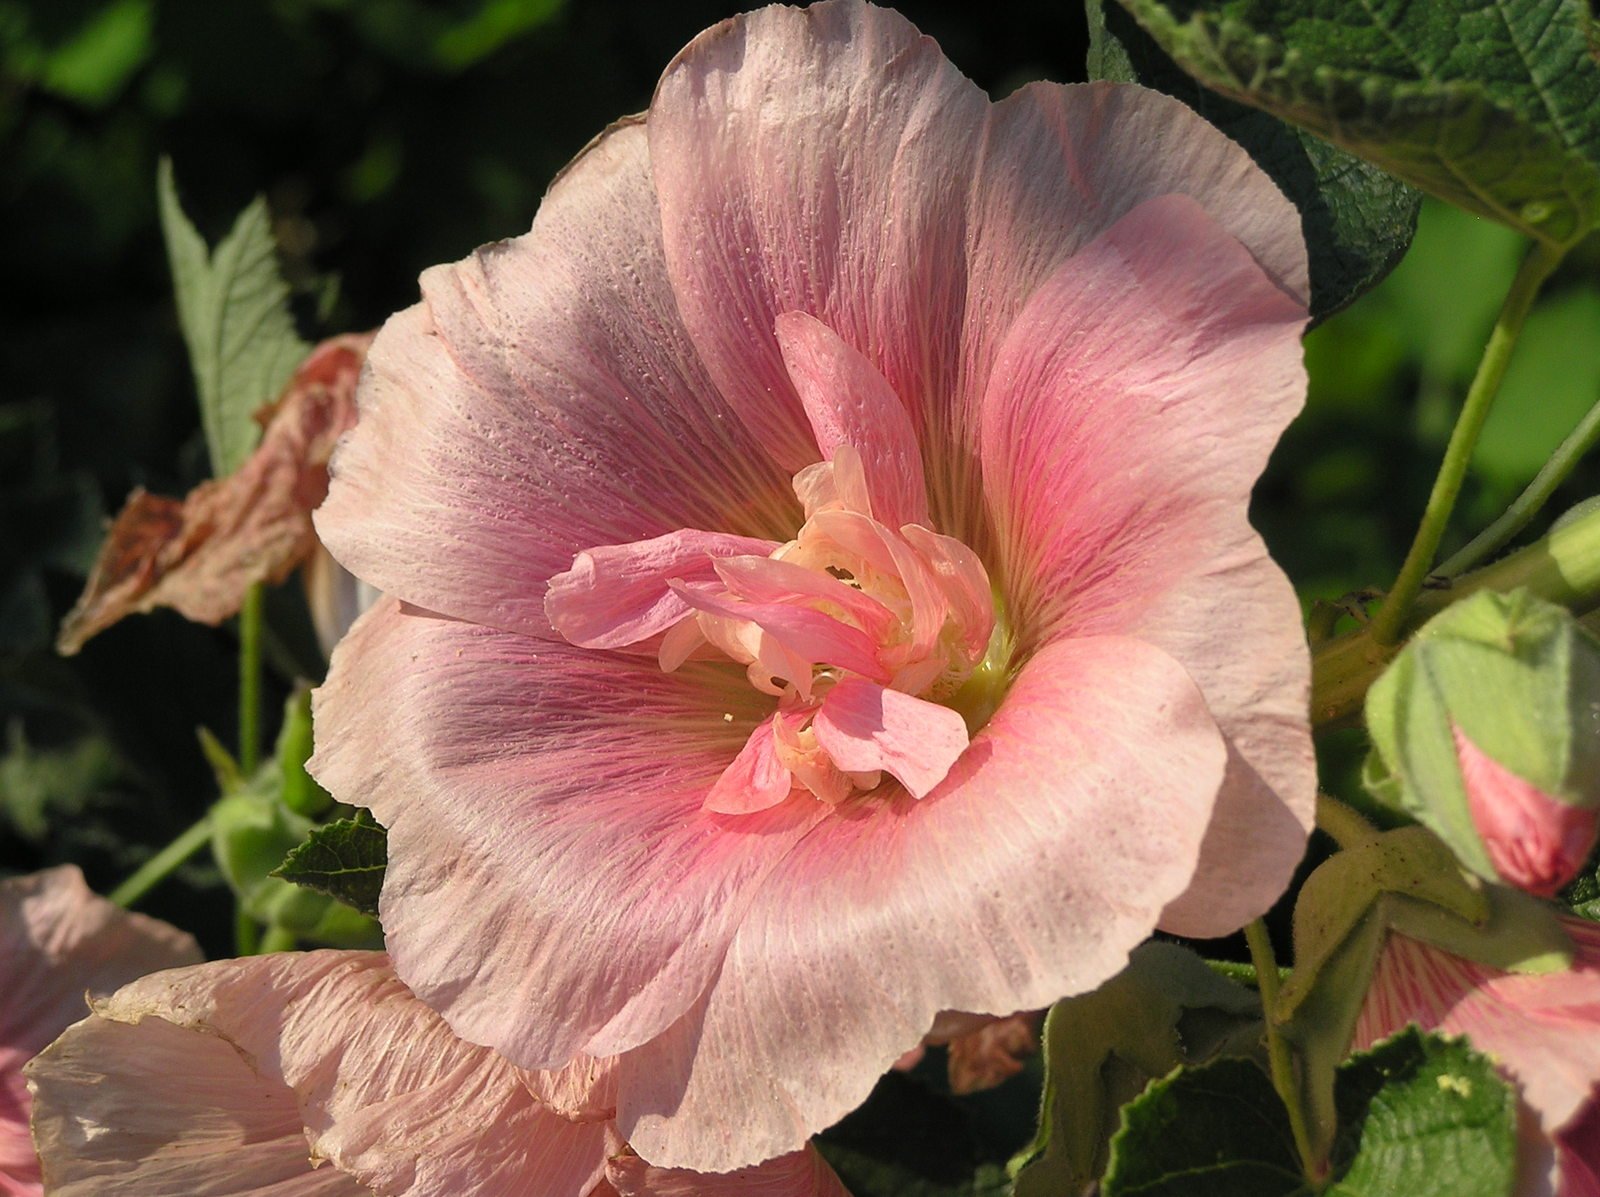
x: 235, y: 1077
x: 849, y: 403
x: 865, y: 728
x: 767, y: 580
x: 813, y: 160
x: 811, y: 635
x: 1132, y: 407
x: 553, y: 885
x: 1257, y: 682
x: 1578, y: 1154
x: 800, y: 1174
x: 1534, y: 840
x: 617, y: 595
x: 755, y: 781
x: 1059, y: 166
x: 960, y: 574
x: 584, y: 1091
x: 541, y: 400
x: 1544, y: 1030
x: 1031, y: 872
x: 59, y: 942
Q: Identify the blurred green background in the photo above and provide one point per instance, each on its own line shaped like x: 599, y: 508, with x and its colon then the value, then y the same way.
x: 389, y: 135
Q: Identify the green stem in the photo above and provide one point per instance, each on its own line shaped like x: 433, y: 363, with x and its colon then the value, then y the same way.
x: 246, y: 934
x: 160, y: 866
x: 1343, y: 822
x: 1390, y: 620
x: 1563, y: 568
x: 277, y: 939
x: 1278, y: 1057
x: 1526, y: 505
x: 250, y: 618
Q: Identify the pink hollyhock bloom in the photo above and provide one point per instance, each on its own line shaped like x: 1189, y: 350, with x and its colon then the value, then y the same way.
x: 1543, y: 1031
x: 59, y: 941
x: 1536, y: 841
x: 822, y: 592
x: 320, y: 1073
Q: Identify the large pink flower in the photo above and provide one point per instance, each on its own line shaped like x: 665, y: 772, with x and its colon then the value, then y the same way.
x: 1544, y: 1031
x: 59, y: 941
x: 320, y: 1074
x: 822, y: 588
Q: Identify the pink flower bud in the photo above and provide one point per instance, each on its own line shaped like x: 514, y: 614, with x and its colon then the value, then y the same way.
x: 1535, y: 841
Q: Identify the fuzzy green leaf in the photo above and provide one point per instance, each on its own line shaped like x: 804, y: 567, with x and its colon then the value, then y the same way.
x: 1420, y: 1116
x: 233, y: 308
x: 1493, y: 105
x: 1424, y: 1116
x: 344, y: 859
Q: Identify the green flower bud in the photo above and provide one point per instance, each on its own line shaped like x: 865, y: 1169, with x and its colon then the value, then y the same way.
x: 1487, y: 727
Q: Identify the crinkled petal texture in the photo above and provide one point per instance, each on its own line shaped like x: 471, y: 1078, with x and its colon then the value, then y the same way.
x: 1543, y: 1030
x: 1072, y: 319
x: 798, y: 1174
x: 58, y: 942
x: 295, y: 1075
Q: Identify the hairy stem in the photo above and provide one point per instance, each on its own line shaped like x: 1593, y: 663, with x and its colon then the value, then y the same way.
x: 1390, y: 621
x: 163, y: 864
x: 1342, y: 822
x: 1278, y: 1056
x: 1526, y: 505
x: 1563, y: 568
x: 250, y: 618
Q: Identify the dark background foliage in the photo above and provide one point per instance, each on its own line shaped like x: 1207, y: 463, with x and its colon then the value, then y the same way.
x: 389, y: 135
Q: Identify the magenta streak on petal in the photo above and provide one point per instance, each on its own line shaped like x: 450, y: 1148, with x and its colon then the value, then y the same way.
x: 819, y: 638
x: 865, y: 728
x: 850, y: 403
x: 1534, y: 840
x: 616, y: 595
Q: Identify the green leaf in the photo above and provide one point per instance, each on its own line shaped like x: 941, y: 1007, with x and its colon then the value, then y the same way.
x: 233, y: 307
x: 1358, y: 219
x: 1166, y: 1008
x: 1420, y: 1116
x: 1493, y: 105
x: 1214, y: 1131
x: 1424, y: 1116
x: 344, y: 859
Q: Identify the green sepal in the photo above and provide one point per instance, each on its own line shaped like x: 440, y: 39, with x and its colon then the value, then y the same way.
x: 1166, y: 1008
x: 251, y: 833
x: 1492, y: 105
x: 1358, y: 219
x: 1342, y: 890
x: 300, y: 791
x: 1520, y: 678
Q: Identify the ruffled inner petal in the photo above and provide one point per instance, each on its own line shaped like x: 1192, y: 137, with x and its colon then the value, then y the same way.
x: 865, y: 728
x: 617, y: 595
x: 849, y: 403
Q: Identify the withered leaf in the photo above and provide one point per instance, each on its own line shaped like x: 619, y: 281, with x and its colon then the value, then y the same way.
x: 199, y: 555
